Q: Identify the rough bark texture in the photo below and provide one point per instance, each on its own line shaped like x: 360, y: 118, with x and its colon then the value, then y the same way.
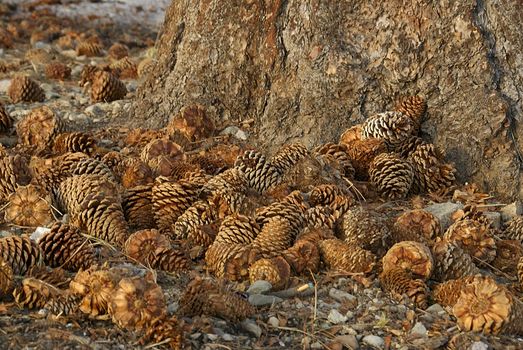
x: 308, y: 69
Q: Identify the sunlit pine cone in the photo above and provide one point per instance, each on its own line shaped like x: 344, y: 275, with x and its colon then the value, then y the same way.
x: 139, y: 137
x: 218, y: 254
x: 160, y: 154
x: 91, y: 166
x: 124, y: 68
x: 275, y: 270
x: 237, y: 229
x: 14, y: 172
x: 391, y: 127
x: 361, y: 154
x: 451, y: 262
x: 21, y: 253
x: 474, y: 237
x: 210, y: 163
x: 170, y: 259
x: 141, y: 245
x: 107, y: 88
x: 6, y: 121
x: 339, y: 152
x: 391, y: 175
x: 339, y: 255
x: 508, y: 253
x: 399, y: 283
x: 138, y: 207
x: 315, y: 234
x: 118, y: 51
x: 332, y: 196
x: 87, y: 75
x: 320, y: 216
x: 135, y: 172
x: 67, y: 161
x: 39, y: 128
x: 416, y: 225
x: 366, y: 229
x: 288, y: 156
x: 63, y: 305
x: 6, y: 278
x: 74, y: 142
x: 293, y: 213
x: 89, y: 49
x: 448, y: 292
x: 413, y: 257
x: 414, y: 107
x: 96, y: 287
x: 57, y: 70
x: 236, y: 267
x: 275, y: 236
x: 261, y: 175
x: 24, y: 89
x: 165, y: 330
x: 29, y: 206
x: 34, y: 293
x: 181, y: 168
x: 64, y: 246
x: 407, y: 147
x: 351, y: 134
x: 231, y: 185
x: 430, y: 172
x: 193, y: 122
x: 514, y: 229
x: 303, y: 257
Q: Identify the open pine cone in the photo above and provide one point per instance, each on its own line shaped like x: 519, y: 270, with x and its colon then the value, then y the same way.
x: 89, y: 49
x: 21, y: 253
x: 399, y: 283
x: 391, y: 175
x: 413, y: 257
x: 39, y: 128
x: 165, y: 330
x: 351, y: 134
x: 14, y: 172
x: 35, y: 293
x: 275, y: 236
x: 192, y: 122
x: 118, y: 51
x: 170, y: 259
x: 260, y: 174
x: 431, y: 174
x: 339, y: 152
x: 275, y: 270
x: 474, y: 237
x: 391, y: 127
x: 138, y: 207
x: 74, y: 142
x: 448, y: 292
x: 416, y: 225
x: 303, y: 257
x: 339, y: 255
x: 237, y: 229
x: 96, y: 287
x: 508, y: 253
x: 6, y: 121
x: 29, y: 206
x: 219, y: 254
x: 361, y: 154
x: 6, y: 277
x: 141, y: 245
x: 514, y: 229
x: 414, y: 107
x: 451, y: 262
x: 57, y: 70
x: 288, y: 156
x: 160, y: 155
x: 366, y: 229
x: 106, y: 87
x: 24, y: 89
x: 124, y: 68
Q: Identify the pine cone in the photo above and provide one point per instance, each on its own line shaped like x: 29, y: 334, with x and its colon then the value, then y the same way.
x: 288, y: 156
x: 260, y: 174
x: 57, y: 70
x: 6, y: 121
x: 407, y: 147
x: 413, y: 257
x: 339, y: 255
x: 87, y: 75
x: 91, y: 166
x: 366, y: 229
x: 74, y: 142
x: 236, y: 267
x: 508, y: 253
x: 29, y: 206
x: 219, y: 254
x: 138, y: 207
x: 231, y: 185
x: 192, y: 122
x: 339, y: 152
x: 124, y: 68
x: 24, y: 89
x: 63, y: 305
x: 391, y: 127
x: 209, y: 163
x: 6, y: 277
x: 170, y: 260
x: 303, y: 257
x: 414, y: 107
x: 54, y: 276
x: 448, y: 292
x: 39, y: 128
x: 312, y: 171
x: 332, y: 196
x: 21, y: 253
x: 165, y: 330
x: 136, y: 173
x: 451, y: 262
x: 474, y: 237
x: 391, y: 175
x: 96, y: 287
x: 275, y: 236
x: 118, y: 51
x: 514, y: 229
x: 89, y: 49
x: 191, y: 223
x: 141, y: 245
x: 107, y: 88
x: 520, y: 271
x: 34, y: 293
x: 293, y: 213
x: 65, y: 246
x: 321, y: 216
x: 275, y: 270
x: 361, y: 154
x: 416, y: 225
x: 237, y: 229
x: 351, y: 134
x: 399, y: 283
x: 14, y: 172
x: 431, y: 174
x: 160, y: 154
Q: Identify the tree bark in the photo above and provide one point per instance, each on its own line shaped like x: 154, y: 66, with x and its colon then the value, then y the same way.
x: 308, y: 69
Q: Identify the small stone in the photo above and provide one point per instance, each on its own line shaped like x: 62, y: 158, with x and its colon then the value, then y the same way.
x: 435, y: 309
x: 172, y: 308
x: 195, y: 335
x: 349, y: 314
x: 273, y: 321
x: 4, y: 85
x: 251, y: 327
x: 316, y: 345
x: 335, y: 317
x: 374, y: 340
x: 94, y: 111
x: 39, y: 232
x: 227, y: 337
x: 349, y: 341
x: 261, y: 299
x: 479, y: 345
x: 494, y: 217
x: 512, y: 210
x: 419, y: 330
x: 212, y: 337
x: 236, y: 132
x: 341, y: 296
x: 444, y: 211
x: 259, y: 287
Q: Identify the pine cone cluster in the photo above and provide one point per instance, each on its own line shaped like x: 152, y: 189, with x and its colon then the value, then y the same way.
x: 24, y: 89
x: 165, y: 330
x: 106, y: 87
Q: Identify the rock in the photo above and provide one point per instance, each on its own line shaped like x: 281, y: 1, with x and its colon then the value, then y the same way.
x: 273, y: 321
x: 349, y: 341
x: 511, y: 210
x: 419, y: 330
x: 172, y: 308
x: 259, y: 287
x: 39, y: 232
x: 212, y: 337
x: 236, y: 132
x: 444, y: 211
x: 374, y: 340
x: 94, y: 110
x: 435, y: 309
x: 227, y: 337
x: 479, y: 345
x: 317, y: 345
x: 195, y: 335
x: 4, y: 85
x: 341, y: 296
x: 494, y: 217
x: 261, y: 299
x: 335, y: 317
x: 251, y: 327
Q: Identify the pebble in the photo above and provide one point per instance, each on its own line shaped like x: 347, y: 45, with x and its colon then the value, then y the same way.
x: 349, y: 341
x: 479, y: 345
x: 4, y: 85
x: 227, y: 337
x: 512, y: 210
x: 435, y: 309
x: 273, y: 321
x: 251, y: 327
x: 444, y: 211
x: 94, y: 110
x: 195, y: 335
x: 316, y: 345
x: 336, y: 317
x: 259, y: 287
x: 374, y: 340
x: 494, y: 217
x: 39, y: 232
x: 236, y: 132
x: 341, y: 296
x: 261, y: 299
x: 419, y: 330
x: 212, y: 337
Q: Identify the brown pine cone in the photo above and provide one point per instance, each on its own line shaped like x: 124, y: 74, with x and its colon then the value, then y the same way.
x: 124, y: 68
x: 332, y: 196
x: 145, y: 66
x: 320, y: 216
x: 366, y: 229
x: 399, y: 283
x: 231, y: 186
x: 448, y: 292
x: 209, y: 163
x: 260, y: 174
x: 288, y: 156
x: 21, y: 253
x: 275, y: 236
x: 413, y: 257
x: 191, y: 223
x: 96, y: 287
x: 236, y: 267
x: 34, y: 293
x: 57, y: 70
x: 192, y: 122
x: 136, y: 302
x: 414, y: 107
x: 64, y: 246
x: 170, y: 260
x: 24, y: 89
x: 55, y: 276
x: 118, y: 51
x: 87, y: 75
x: 29, y: 206
x: 275, y: 270
x: 219, y: 253
x: 361, y: 154
x: 315, y: 234
x: 292, y: 212
x: 451, y: 262
x: 63, y: 305
x: 431, y: 174
x: 407, y: 147
x: 303, y: 257
x: 6, y: 121
x: 351, y: 134
x: 391, y: 127
x: 89, y: 49
x: 514, y: 229
x: 339, y: 152
x: 416, y: 225
x: 237, y: 229
x: 339, y: 255
x: 474, y: 237
x: 6, y: 277
x: 165, y: 330
x: 39, y: 128
x: 91, y: 166
x: 160, y: 155
x: 141, y: 245
x: 14, y: 172
x: 107, y: 88
x: 138, y: 207
x: 74, y: 142
x: 391, y: 175
x: 508, y: 253
x: 135, y: 172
